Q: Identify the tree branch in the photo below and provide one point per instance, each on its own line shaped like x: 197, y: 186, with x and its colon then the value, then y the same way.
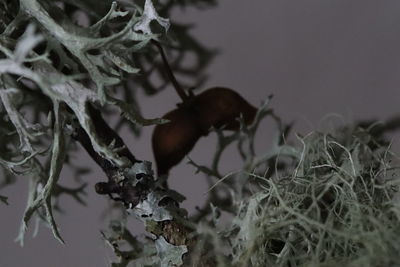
x: 108, y: 135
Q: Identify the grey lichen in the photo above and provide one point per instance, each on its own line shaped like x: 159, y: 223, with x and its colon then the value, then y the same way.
x: 64, y: 91
x: 150, y: 14
x: 170, y: 255
x: 26, y: 131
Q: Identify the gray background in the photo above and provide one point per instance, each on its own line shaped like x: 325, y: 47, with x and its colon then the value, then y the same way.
x: 317, y: 57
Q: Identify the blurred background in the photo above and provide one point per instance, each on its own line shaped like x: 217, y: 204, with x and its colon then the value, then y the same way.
x: 319, y: 59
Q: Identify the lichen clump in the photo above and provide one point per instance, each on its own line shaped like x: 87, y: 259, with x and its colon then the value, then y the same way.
x: 334, y: 204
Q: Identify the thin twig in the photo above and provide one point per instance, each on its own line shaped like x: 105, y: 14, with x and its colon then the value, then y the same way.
x: 179, y: 90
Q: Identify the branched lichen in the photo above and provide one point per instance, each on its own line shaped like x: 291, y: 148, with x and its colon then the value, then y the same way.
x: 26, y: 130
x: 47, y: 62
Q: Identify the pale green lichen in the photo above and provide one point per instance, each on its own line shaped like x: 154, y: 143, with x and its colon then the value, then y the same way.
x: 43, y: 197
x: 335, y: 201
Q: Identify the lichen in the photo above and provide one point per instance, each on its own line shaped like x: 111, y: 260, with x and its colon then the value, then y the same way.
x: 320, y: 199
